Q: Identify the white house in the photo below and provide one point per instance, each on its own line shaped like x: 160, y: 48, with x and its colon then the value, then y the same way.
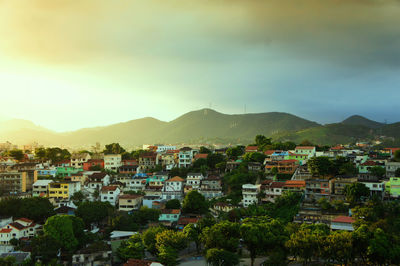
x: 185, y: 157
x: 41, y: 188
x: 164, y: 148
x: 342, y: 223
x: 173, y: 188
x: 77, y: 159
x: 112, y: 162
x: 308, y: 150
x: 250, y: 192
x: 110, y: 194
x: 18, y: 229
x: 194, y: 180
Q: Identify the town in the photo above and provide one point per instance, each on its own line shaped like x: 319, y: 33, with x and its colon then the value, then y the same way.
x: 267, y: 203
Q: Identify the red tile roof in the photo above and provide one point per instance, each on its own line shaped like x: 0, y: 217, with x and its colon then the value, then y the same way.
x: 170, y: 211
x: 269, y: 152
x: 369, y: 163
x: 4, y: 230
x: 305, y: 147
x: 17, y: 226
x: 201, y: 156
x: 130, y: 196
x: 175, y: 179
x: 109, y: 188
x: 251, y: 148
x: 295, y: 183
x: 187, y: 220
x: 343, y: 219
x: 25, y: 220
x: 277, y: 184
x: 136, y: 262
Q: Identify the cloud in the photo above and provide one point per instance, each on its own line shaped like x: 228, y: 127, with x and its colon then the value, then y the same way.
x: 63, y: 31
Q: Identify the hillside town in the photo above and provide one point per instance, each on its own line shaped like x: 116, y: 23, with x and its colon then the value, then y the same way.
x: 267, y: 203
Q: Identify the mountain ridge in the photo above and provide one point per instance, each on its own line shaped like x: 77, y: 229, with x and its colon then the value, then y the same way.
x: 202, y: 125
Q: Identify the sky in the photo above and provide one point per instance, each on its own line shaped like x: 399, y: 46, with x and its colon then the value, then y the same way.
x: 68, y: 64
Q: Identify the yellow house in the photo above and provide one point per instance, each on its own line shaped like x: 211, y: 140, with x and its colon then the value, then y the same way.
x: 64, y: 189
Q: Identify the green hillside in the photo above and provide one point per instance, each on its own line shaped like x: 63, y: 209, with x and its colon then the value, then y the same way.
x: 358, y: 120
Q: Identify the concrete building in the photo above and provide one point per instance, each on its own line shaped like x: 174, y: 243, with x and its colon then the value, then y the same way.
x: 129, y: 202
x: 112, y: 162
x: 78, y: 159
x: 16, y: 182
x: 250, y: 193
x: 110, y: 194
x: 41, y: 188
x: 173, y: 188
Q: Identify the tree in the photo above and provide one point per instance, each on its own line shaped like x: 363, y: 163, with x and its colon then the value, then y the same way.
x: 8, y: 261
x: 223, y: 235
x: 320, y: 166
x: 173, y: 204
x: 194, y: 202
x: 262, y: 141
x: 16, y: 154
x: 213, y: 159
x: 261, y: 234
x: 95, y: 168
x: 113, y: 148
x: 254, y: 157
x: 397, y: 155
x: 145, y: 214
x: 220, y: 257
x: 205, y: 150
x: 149, y: 238
x: 378, y: 171
x: 124, y: 222
x: 379, y: 248
x: 93, y: 212
x: 78, y: 197
x: 308, y: 241
x: 168, y: 256
x: 192, y: 233
x: 339, y: 247
x: 348, y: 169
x: 65, y: 230
x: 234, y: 152
x: 169, y: 238
x: 360, y: 240
x: 133, y: 248
x: 45, y: 248
x: 356, y: 191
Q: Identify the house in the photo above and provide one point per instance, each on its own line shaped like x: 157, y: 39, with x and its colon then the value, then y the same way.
x: 250, y: 194
x: 164, y: 148
x: 183, y: 221
x: 342, y: 223
x: 41, y: 188
x: 287, y: 166
x: 169, y: 215
x: 393, y: 187
x: 254, y: 166
x: 376, y: 188
x: 128, y: 169
x: 365, y: 167
x: 279, y: 155
x: 16, y: 182
x: 63, y: 190
x: 78, y: 159
x: 148, y: 160
x: 129, y: 202
x: 112, y: 162
x: 47, y: 172
x: 67, y: 171
x: 168, y: 160
x: 318, y: 188
x: 308, y: 150
x: 194, y: 180
x: 186, y: 156
x: 87, y: 166
x: 20, y: 228
x: 339, y: 186
x: 201, y: 156
x: 173, y: 188
x: 110, y: 194
x: 98, y: 253
x: 100, y: 177
x: 271, y: 190
x: 136, y: 262
x: 391, y: 168
x: 232, y: 165
x: 297, y: 186
x: 222, y: 207
x: 251, y: 149
x: 301, y: 158
x: 65, y: 210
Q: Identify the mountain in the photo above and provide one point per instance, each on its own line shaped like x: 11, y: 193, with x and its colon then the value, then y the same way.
x: 199, y: 125
x: 361, y: 121
x: 330, y: 134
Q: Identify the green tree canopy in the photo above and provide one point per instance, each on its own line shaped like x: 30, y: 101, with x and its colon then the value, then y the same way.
x: 194, y: 202
x: 133, y: 248
x: 149, y: 238
x: 94, y: 212
x: 223, y: 235
x: 221, y: 257
x: 356, y: 191
x: 66, y: 230
x: 113, y: 148
x: 173, y: 204
x: 320, y: 166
